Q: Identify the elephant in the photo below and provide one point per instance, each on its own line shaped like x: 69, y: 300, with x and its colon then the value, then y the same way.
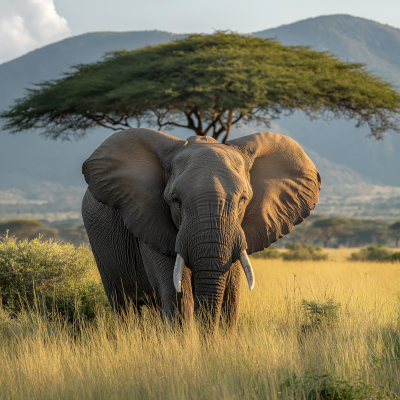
x: 171, y: 222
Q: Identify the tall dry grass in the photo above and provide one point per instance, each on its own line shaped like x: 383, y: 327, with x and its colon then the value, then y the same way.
x: 269, y: 356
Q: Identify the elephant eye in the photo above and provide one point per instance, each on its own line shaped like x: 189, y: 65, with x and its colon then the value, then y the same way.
x: 176, y: 200
x: 243, y: 199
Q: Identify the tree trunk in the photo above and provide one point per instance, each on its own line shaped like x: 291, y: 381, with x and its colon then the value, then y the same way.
x: 229, y: 125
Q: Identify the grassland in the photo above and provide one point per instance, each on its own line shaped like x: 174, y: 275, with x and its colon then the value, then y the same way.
x: 271, y: 355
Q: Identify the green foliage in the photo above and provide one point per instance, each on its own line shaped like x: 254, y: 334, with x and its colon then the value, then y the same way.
x: 394, y: 257
x: 319, y: 314
x: 329, y: 228
x: 270, y: 252
x: 206, y: 83
x: 375, y: 253
x: 352, y: 233
x: 331, y: 222
x: 303, y: 252
x: 323, y: 386
x: 50, y: 276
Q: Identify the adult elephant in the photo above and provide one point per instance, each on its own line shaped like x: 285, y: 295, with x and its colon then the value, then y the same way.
x: 171, y: 219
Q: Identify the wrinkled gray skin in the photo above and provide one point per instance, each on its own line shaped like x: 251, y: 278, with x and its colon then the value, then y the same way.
x: 131, y: 270
x: 207, y: 188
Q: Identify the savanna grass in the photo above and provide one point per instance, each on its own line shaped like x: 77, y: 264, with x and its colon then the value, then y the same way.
x: 268, y: 356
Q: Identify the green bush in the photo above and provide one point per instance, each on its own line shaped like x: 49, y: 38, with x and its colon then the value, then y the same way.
x: 319, y: 314
x: 375, y: 253
x: 50, y: 276
x: 270, y: 252
x: 324, y: 386
x: 395, y: 257
x: 302, y: 252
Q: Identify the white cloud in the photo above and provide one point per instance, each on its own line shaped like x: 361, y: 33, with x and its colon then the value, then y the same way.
x: 28, y: 24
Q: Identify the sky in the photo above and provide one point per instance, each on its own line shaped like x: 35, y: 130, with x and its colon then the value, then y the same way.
x: 29, y: 24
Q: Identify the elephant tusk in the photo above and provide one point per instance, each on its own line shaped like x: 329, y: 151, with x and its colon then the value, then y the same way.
x: 178, y: 271
x: 248, y: 269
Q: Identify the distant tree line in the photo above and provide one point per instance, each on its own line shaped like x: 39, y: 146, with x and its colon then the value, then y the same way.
x: 346, y: 232
x: 316, y: 230
x: 70, y: 231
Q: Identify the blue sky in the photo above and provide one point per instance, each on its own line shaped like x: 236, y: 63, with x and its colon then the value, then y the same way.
x: 29, y: 24
x: 205, y: 15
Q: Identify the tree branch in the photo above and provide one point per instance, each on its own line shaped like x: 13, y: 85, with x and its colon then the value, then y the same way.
x: 175, y: 124
x: 191, y: 124
x: 231, y: 113
x: 99, y: 122
x: 216, y: 118
x: 200, y: 124
x: 219, y: 131
x: 238, y: 119
x: 161, y: 123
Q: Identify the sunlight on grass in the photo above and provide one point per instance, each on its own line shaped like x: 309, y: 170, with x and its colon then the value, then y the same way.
x: 267, y: 357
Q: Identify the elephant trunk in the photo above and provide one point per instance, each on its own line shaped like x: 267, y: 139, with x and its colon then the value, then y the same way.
x: 209, y: 246
x: 209, y: 289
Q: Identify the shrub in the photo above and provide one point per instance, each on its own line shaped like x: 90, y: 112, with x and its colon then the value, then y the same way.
x: 395, y: 257
x: 375, y: 253
x: 50, y: 275
x: 319, y: 314
x: 302, y: 252
x: 270, y: 252
x: 323, y: 386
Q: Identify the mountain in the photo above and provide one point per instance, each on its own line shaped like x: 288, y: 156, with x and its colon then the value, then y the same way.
x: 345, y: 192
x: 42, y: 178
x: 352, y: 38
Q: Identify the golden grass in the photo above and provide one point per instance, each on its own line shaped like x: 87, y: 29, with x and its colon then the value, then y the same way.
x: 152, y: 360
x: 341, y: 254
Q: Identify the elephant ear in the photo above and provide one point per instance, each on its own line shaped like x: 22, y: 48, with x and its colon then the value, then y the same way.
x: 285, y: 186
x: 126, y: 173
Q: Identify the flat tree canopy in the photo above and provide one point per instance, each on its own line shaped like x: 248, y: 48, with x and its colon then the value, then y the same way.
x: 331, y: 227
x: 206, y: 83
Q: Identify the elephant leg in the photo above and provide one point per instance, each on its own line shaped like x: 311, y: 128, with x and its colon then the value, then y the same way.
x: 231, y: 301
x: 159, y: 269
x: 117, y: 255
x: 114, y: 295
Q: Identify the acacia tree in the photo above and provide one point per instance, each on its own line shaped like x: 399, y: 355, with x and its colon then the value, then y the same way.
x: 206, y: 83
x: 330, y: 228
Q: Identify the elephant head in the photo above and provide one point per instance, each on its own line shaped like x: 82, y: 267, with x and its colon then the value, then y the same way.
x: 209, y: 204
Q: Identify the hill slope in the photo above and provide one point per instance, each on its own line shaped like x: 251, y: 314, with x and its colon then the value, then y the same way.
x: 352, y: 38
